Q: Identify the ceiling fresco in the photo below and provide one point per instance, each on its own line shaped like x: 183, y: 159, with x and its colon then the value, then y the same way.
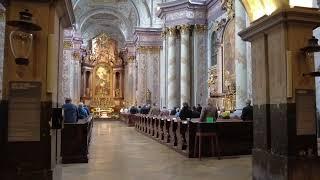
x: 117, y: 18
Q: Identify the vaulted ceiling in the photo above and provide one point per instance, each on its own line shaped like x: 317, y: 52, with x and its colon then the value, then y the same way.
x: 117, y: 18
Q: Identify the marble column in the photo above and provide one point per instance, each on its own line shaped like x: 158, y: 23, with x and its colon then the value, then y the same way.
x: 173, y: 101
x: 200, y: 72
x: 163, y: 74
x: 152, y: 70
x: 240, y: 56
x: 64, y: 72
x: 2, y: 32
x: 131, y: 81
x: 185, y: 65
x: 142, y: 76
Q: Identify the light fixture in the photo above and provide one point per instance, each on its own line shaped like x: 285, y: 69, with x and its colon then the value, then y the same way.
x: 21, y: 39
x: 309, y: 50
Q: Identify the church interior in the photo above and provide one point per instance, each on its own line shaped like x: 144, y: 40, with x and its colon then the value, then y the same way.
x: 161, y: 89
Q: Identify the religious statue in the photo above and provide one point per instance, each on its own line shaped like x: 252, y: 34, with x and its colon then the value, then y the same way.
x: 213, y: 78
x: 148, y: 96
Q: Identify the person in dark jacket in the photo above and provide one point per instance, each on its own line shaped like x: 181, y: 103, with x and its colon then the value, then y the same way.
x: 70, y: 111
x: 199, y: 108
x: 185, y: 112
x: 133, y: 110
x: 144, y: 110
x: 173, y: 111
x: 195, y: 113
x: 247, y: 112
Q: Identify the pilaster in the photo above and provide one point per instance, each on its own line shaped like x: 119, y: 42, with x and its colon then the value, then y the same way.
x: 240, y: 56
x: 285, y: 144
x: 200, y: 73
x: 185, y: 65
x: 29, y: 147
x: 173, y: 100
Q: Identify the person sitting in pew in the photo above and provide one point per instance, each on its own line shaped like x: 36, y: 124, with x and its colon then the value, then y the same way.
x: 145, y: 109
x: 82, y: 113
x: 210, y: 111
x: 173, y: 111
x: 70, y: 111
x: 195, y: 112
x: 185, y: 112
x: 133, y: 110
x: 154, y: 111
x: 199, y: 108
x: 247, y: 112
x: 86, y: 108
x: 177, y: 112
x: 164, y: 112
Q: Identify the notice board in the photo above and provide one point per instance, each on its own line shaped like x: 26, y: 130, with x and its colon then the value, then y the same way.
x: 306, y: 112
x: 24, y: 111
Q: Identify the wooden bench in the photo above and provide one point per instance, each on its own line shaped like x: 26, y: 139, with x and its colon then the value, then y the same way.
x: 75, y: 141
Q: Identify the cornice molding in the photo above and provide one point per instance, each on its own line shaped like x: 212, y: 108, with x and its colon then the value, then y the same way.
x: 306, y: 16
x: 174, y: 6
x: 147, y: 37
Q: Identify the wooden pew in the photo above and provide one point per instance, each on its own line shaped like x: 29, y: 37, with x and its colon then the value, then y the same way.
x: 182, y: 127
x: 75, y: 141
x: 166, y: 133
x: 160, y: 129
x: 155, y: 127
x: 172, y: 132
x: 235, y: 136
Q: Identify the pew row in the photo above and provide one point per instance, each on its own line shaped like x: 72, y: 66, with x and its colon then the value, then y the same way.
x: 75, y: 141
x: 128, y: 119
x: 235, y: 136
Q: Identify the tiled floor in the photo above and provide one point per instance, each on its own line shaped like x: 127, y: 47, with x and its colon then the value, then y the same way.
x: 120, y: 153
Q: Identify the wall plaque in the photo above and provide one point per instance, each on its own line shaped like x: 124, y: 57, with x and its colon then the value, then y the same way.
x: 306, y: 112
x: 24, y: 111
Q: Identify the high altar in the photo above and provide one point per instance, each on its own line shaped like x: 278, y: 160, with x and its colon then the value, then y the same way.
x: 102, y: 75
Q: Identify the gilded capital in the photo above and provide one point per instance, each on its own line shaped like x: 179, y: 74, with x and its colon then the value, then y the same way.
x: 131, y: 59
x: 148, y: 48
x: 200, y: 28
x: 163, y: 33
x: 171, y: 31
x: 67, y: 45
x: 184, y: 29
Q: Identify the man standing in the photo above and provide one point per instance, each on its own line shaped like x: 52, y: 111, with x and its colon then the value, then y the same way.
x: 70, y: 111
x: 247, y: 112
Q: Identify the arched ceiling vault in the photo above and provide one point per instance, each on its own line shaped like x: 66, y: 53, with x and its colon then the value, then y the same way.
x: 118, y: 18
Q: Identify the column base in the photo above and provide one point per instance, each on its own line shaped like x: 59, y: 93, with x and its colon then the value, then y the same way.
x: 270, y: 166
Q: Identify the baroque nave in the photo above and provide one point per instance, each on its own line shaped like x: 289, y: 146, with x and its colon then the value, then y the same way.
x: 162, y: 89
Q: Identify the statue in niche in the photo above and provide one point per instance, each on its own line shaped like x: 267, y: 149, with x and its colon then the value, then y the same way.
x: 148, y: 96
